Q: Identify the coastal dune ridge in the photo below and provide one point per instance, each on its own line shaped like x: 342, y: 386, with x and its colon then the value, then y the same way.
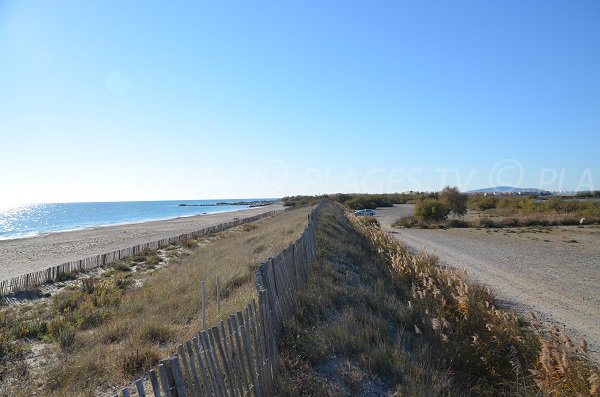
x: 32, y: 254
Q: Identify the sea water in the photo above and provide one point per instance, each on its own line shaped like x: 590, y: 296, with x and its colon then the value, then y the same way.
x: 31, y: 220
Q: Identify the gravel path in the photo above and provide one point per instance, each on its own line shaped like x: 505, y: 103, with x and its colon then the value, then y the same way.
x: 25, y: 255
x: 554, y: 272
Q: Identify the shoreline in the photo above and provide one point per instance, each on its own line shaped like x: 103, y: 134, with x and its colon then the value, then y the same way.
x: 29, y: 254
x: 76, y: 229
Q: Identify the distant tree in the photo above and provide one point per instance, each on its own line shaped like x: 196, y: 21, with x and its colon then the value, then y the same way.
x: 454, y: 200
x: 431, y: 210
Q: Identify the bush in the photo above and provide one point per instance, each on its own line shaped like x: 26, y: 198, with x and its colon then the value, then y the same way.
x: 33, y: 328
x: 66, y: 301
x: 88, y: 285
x: 431, y: 210
x: 63, y: 332
x: 454, y: 200
x: 482, y: 203
x: 10, y: 349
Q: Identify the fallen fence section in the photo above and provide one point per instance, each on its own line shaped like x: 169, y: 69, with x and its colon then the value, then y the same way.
x: 28, y: 281
x: 238, y: 357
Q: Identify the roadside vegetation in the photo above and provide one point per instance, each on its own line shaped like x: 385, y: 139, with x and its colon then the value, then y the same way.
x: 355, y: 201
x: 97, y: 331
x: 378, y: 320
x: 504, y: 211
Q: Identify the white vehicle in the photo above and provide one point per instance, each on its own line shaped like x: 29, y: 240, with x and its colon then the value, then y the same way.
x: 364, y: 212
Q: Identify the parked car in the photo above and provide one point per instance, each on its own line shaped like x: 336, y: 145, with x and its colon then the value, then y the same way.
x: 364, y: 212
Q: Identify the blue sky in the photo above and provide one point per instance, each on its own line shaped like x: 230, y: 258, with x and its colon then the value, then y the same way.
x: 140, y: 100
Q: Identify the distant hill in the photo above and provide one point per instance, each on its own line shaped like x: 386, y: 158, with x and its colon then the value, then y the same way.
x: 510, y: 189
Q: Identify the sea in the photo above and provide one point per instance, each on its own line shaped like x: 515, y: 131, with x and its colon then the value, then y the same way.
x: 35, y: 219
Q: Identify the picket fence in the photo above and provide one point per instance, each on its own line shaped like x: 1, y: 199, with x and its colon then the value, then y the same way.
x: 32, y: 280
x: 238, y: 357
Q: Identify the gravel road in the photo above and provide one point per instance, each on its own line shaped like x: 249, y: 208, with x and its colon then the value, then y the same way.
x: 554, y: 272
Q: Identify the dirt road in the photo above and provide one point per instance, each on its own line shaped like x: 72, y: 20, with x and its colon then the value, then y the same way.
x: 554, y: 272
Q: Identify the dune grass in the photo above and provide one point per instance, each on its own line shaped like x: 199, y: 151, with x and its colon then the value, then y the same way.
x: 104, y: 331
x: 379, y: 320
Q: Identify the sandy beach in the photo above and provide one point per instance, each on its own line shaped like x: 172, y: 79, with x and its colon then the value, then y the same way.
x: 25, y: 255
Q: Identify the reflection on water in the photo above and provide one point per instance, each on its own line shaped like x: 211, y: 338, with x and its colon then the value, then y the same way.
x: 34, y: 219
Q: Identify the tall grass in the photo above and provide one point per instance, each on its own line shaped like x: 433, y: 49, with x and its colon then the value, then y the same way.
x: 487, y: 345
x: 377, y: 316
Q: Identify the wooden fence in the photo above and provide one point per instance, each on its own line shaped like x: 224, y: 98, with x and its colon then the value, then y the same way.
x: 55, y: 273
x: 238, y: 357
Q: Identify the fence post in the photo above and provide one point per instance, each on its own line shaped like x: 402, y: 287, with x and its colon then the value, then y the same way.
x: 176, y: 372
x: 139, y: 385
x: 155, y: 385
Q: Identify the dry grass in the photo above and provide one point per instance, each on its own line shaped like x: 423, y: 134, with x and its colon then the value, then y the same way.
x: 108, y: 330
x: 488, y: 346
x: 489, y: 221
x: 376, y: 316
x: 351, y: 336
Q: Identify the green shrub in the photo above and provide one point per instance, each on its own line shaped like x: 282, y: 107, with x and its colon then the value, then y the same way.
x: 482, y: 203
x: 63, y: 332
x: 33, y: 328
x: 454, y: 200
x: 88, y: 285
x: 67, y: 300
x: 122, y: 281
x: 431, y: 210
x: 10, y: 349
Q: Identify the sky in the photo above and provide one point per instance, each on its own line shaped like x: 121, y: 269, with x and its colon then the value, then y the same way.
x: 149, y: 100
